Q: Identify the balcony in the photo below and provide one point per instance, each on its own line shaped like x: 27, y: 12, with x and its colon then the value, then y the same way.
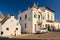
x: 39, y: 22
x: 50, y: 21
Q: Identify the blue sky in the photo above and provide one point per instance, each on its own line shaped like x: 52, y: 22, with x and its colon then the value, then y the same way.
x: 13, y: 6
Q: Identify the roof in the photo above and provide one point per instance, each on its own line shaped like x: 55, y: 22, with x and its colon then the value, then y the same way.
x: 43, y: 8
x: 49, y: 9
x: 1, y: 16
x: 6, y: 18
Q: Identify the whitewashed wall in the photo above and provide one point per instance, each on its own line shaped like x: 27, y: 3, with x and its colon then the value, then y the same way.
x: 12, y: 25
x: 28, y: 21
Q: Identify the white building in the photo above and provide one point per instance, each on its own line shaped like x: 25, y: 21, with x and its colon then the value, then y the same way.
x: 49, y: 17
x: 10, y: 26
x: 57, y: 26
x: 35, y: 18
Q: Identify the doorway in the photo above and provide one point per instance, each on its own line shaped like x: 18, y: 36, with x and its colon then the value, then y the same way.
x: 49, y: 27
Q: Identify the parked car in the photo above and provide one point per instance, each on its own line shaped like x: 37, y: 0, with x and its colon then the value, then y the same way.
x: 43, y: 30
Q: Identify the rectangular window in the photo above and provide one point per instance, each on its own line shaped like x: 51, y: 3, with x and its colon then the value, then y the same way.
x: 38, y: 17
x: 20, y: 18
x: 46, y: 25
x: 51, y: 17
x: 48, y: 16
x: 25, y: 25
x: 25, y: 16
x: 43, y: 18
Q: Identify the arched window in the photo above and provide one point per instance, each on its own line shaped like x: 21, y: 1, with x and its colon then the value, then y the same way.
x: 34, y: 14
x: 38, y: 16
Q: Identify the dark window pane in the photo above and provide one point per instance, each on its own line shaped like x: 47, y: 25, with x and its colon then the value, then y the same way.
x: 39, y: 16
x: 25, y: 16
x: 16, y: 28
x: 1, y: 32
x: 20, y: 18
x: 7, y: 28
x: 35, y: 16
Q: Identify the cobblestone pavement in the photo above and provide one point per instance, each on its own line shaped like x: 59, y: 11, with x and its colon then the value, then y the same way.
x: 49, y: 35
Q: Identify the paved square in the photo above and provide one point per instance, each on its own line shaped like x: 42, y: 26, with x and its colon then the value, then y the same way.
x: 49, y: 35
